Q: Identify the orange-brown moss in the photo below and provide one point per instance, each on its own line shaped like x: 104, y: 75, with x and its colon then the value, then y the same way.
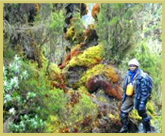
x: 67, y: 58
x: 110, y: 73
x: 87, y: 121
x: 98, y: 82
x: 86, y: 31
x: 75, y: 50
x: 113, y: 92
x: 37, y: 6
x: 56, y: 77
x: 90, y: 33
x: 64, y: 130
x: 74, y: 98
x: 95, y: 11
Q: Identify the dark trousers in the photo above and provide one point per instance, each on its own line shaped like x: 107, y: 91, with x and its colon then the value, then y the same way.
x: 126, y: 108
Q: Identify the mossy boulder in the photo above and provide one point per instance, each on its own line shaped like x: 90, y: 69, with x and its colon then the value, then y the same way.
x: 99, y: 69
x: 96, y: 70
x: 73, y: 75
x: 79, y: 63
x: 100, y: 77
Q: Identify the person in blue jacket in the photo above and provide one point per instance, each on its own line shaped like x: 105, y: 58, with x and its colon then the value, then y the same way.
x: 135, y: 77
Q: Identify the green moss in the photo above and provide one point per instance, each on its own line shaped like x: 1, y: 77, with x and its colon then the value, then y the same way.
x: 32, y: 67
x: 70, y: 33
x: 111, y: 116
x: 150, y: 108
x: 98, y: 69
x: 73, y: 114
x: 55, y: 68
x: 55, y: 76
x: 44, y: 62
x: 52, y: 124
x: 88, y: 58
x: 150, y: 111
x: 134, y: 115
x: 100, y: 96
x: 83, y: 90
x: 88, y: 74
x: 73, y: 35
x: 110, y: 73
x: 78, y: 37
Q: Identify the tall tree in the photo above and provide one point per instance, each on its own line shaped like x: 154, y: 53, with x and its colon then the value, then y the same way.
x: 117, y: 29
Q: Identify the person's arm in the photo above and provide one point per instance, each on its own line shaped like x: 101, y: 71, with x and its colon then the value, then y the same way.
x: 144, y: 95
x: 144, y: 91
x: 124, y: 88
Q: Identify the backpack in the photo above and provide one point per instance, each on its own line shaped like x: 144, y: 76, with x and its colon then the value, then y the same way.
x: 148, y: 80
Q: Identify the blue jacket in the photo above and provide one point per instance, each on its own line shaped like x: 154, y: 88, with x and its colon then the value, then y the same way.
x: 140, y: 89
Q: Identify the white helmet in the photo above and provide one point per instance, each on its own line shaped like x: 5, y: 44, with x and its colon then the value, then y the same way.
x: 133, y: 62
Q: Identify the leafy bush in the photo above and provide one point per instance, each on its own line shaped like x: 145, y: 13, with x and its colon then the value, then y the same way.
x: 28, y: 124
x: 55, y: 102
x: 67, y: 110
x: 12, y: 77
x: 23, y: 98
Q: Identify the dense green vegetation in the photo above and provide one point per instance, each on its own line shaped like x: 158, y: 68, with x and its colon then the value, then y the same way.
x: 61, y: 75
